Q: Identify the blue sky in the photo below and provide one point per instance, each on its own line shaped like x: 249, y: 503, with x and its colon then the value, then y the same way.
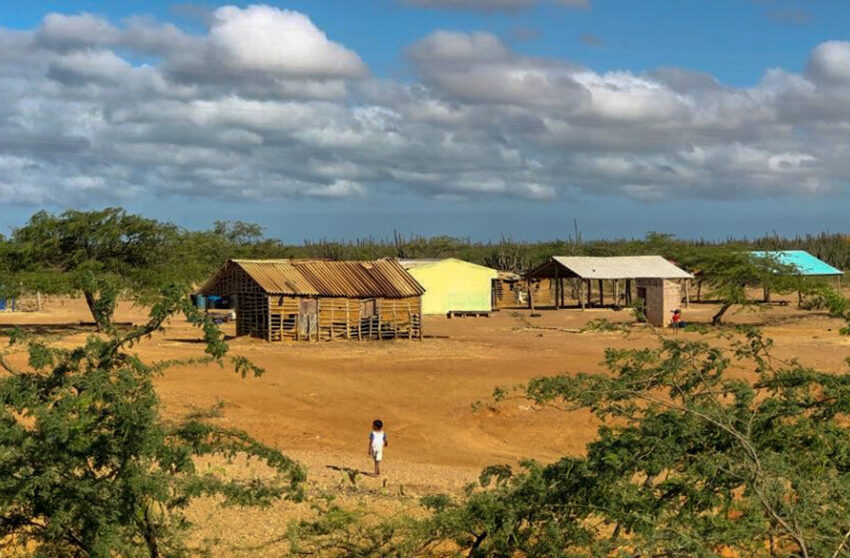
x: 734, y: 40
x: 433, y: 120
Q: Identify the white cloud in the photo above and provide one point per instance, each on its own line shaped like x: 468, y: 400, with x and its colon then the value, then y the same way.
x: 61, y: 31
x: 478, y: 67
x: 337, y: 189
x: 830, y: 61
x: 265, y: 106
x: 264, y: 39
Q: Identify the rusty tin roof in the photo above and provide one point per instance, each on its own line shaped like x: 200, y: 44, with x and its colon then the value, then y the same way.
x: 353, y: 279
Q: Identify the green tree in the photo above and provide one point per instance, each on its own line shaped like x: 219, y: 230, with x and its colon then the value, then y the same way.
x: 690, y: 460
x: 730, y: 273
x: 96, y: 253
x: 89, y: 467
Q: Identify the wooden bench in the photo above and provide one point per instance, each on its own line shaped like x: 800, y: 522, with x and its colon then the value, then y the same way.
x: 468, y: 314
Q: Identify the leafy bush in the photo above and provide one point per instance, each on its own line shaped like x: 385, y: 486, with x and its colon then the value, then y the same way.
x: 88, y: 466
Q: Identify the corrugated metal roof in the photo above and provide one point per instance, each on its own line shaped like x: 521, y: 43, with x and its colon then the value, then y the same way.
x: 509, y: 276
x: 409, y: 263
x: 622, y: 267
x: 806, y: 263
x: 354, y: 279
x: 424, y: 262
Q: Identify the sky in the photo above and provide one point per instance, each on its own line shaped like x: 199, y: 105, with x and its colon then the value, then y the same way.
x: 474, y: 118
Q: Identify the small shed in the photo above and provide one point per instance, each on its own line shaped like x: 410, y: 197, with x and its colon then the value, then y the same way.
x: 509, y: 291
x: 656, y: 280
x: 317, y: 299
x: 452, y: 285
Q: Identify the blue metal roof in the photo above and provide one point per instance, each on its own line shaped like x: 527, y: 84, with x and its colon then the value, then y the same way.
x: 806, y: 263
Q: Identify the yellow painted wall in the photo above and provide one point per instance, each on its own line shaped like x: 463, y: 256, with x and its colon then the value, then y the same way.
x: 454, y: 285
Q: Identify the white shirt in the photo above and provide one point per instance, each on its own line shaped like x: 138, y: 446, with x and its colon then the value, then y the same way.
x: 378, y: 440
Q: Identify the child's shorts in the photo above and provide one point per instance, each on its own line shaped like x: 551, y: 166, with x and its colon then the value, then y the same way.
x: 377, y: 455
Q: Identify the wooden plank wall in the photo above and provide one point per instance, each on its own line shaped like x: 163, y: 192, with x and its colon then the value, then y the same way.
x: 505, y: 297
x: 252, y: 312
x: 507, y: 294
x: 342, y: 318
x: 283, y: 320
x: 400, y: 318
x: 338, y: 317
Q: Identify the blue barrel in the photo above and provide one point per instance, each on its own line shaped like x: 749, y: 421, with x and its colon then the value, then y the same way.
x: 200, y: 302
x: 2, y: 303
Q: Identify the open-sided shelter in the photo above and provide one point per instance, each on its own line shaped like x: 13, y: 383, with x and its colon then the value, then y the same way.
x: 317, y: 299
x: 656, y: 281
x: 453, y: 286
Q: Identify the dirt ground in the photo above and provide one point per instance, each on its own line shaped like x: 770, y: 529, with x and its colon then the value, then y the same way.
x: 316, y: 401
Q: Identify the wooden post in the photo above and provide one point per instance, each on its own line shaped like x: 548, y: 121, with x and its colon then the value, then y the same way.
x: 687, y: 293
x: 601, y: 294
x: 563, y: 297
x: 530, y: 298
x: 360, y: 321
x: 581, y: 293
x: 528, y: 290
x: 557, y: 288
x: 38, y: 296
x: 378, y: 310
x: 589, y: 293
x: 348, y: 318
x: 616, y: 293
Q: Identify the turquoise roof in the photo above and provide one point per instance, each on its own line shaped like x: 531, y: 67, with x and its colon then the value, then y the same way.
x: 806, y: 263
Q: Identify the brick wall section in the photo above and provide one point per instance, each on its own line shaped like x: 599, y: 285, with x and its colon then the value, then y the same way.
x: 662, y: 297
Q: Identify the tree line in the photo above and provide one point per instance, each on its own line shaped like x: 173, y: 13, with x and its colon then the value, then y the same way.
x: 105, y: 253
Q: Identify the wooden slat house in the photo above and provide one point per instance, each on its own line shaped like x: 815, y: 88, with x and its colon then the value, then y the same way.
x: 278, y: 300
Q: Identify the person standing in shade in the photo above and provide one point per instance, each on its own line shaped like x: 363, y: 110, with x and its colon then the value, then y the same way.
x: 377, y: 443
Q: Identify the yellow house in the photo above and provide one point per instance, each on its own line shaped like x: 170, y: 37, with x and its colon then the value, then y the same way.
x: 453, y: 285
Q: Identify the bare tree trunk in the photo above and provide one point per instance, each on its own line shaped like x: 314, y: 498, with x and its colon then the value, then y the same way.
x: 717, y: 319
x: 149, y: 533
x: 102, y: 319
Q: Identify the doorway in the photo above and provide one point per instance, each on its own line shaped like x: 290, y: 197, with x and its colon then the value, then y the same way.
x: 308, y: 318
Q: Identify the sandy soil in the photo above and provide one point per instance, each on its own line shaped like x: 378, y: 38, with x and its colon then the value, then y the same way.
x: 316, y: 401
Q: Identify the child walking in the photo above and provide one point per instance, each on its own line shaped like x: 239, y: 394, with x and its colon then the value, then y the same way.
x: 377, y: 443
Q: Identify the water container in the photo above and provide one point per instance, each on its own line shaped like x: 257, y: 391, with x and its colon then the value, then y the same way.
x: 201, y: 302
x: 2, y: 303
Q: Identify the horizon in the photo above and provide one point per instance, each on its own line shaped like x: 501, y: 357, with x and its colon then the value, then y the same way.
x: 477, y: 120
